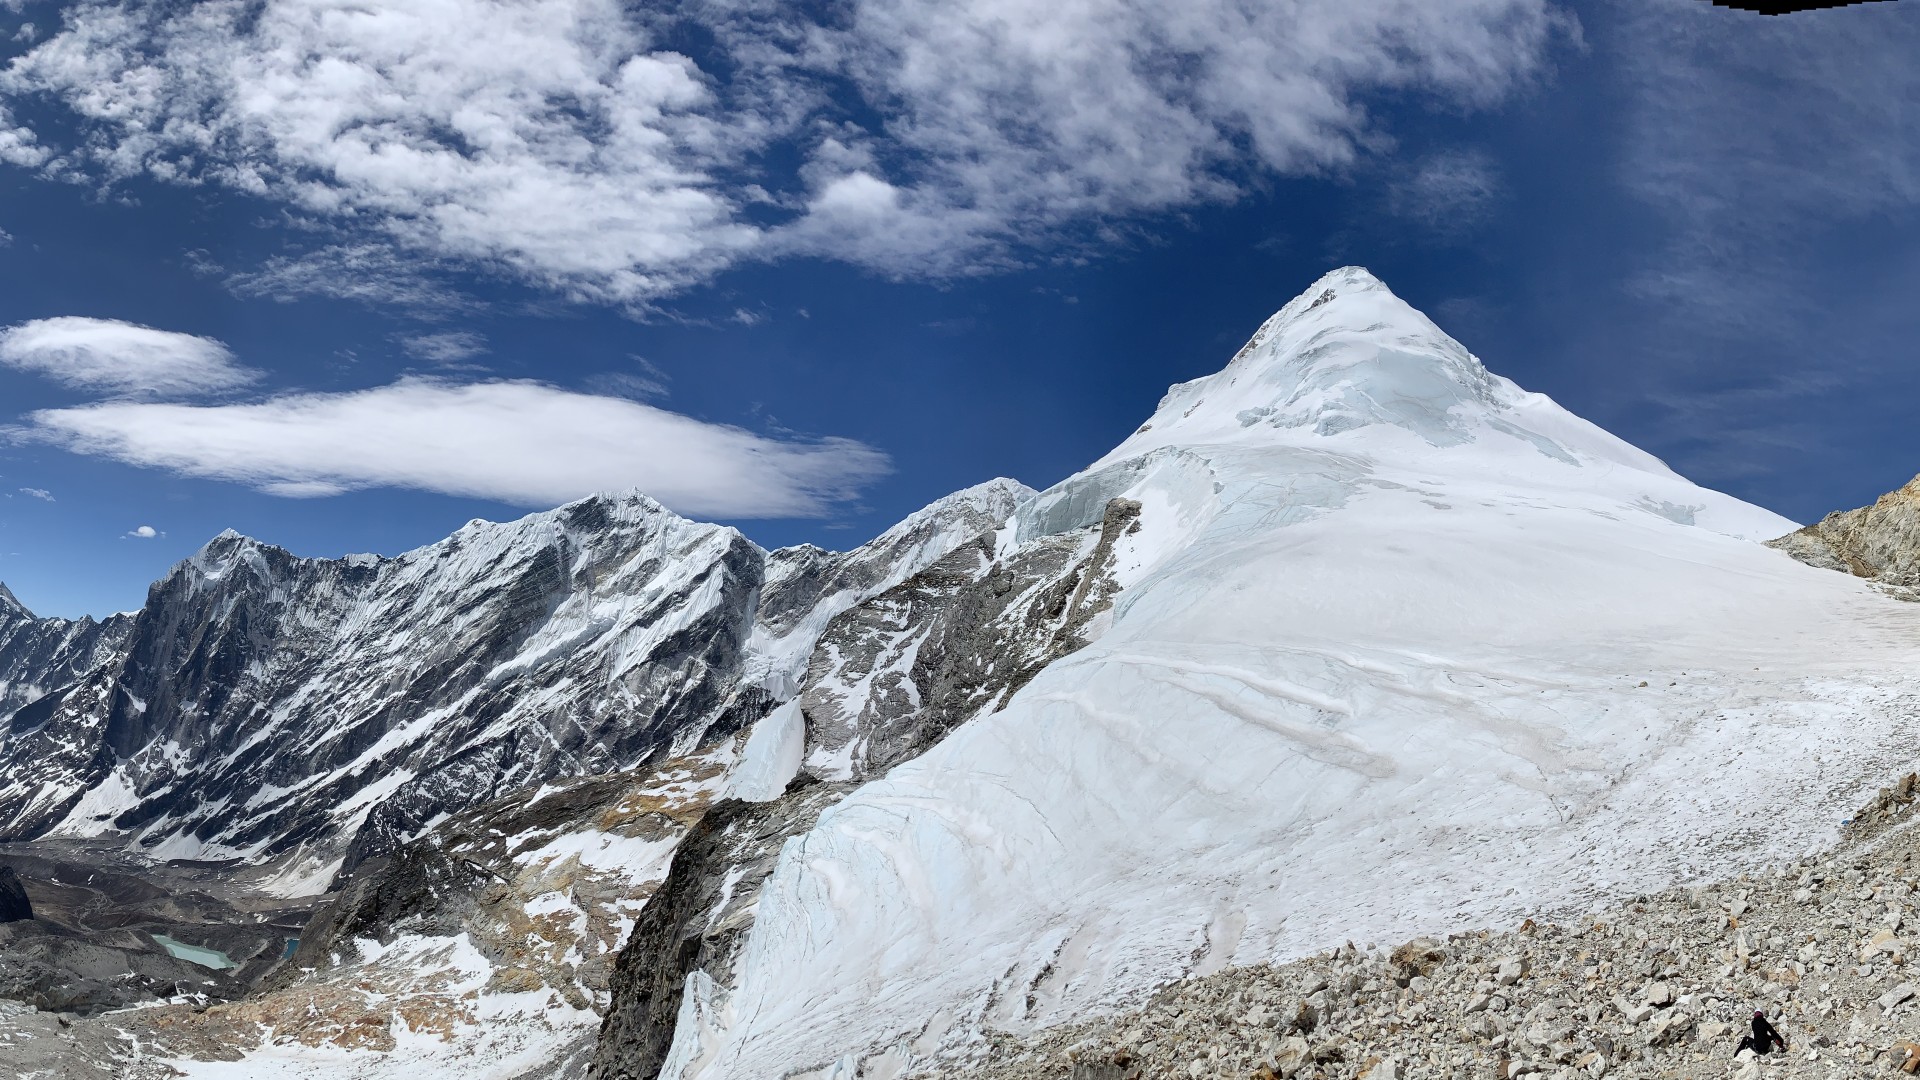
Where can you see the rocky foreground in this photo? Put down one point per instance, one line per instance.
(1661, 987)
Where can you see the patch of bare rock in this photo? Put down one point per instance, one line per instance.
(1662, 986)
(1880, 542)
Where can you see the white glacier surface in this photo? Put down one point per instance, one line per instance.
(1402, 648)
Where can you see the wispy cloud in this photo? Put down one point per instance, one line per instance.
(121, 357)
(1447, 193)
(141, 532)
(1752, 137)
(517, 442)
(565, 144)
(645, 383)
(364, 272)
(450, 347)
(1781, 161)
(38, 493)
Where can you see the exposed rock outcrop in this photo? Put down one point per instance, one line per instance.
(696, 923)
(14, 905)
(889, 679)
(1879, 542)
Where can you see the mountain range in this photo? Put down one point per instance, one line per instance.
(1352, 640)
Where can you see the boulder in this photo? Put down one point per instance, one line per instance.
(1893, 997)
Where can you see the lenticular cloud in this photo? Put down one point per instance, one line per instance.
(518, 442)
(121, 357)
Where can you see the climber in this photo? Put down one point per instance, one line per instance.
(1764, 1037)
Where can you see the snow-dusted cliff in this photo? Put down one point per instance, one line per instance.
(262, 704)
(39, 657)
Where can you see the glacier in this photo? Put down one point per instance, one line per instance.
(1398, 648)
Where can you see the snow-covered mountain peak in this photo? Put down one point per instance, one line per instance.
(221, 556)
(1344, 355)
(11, 609)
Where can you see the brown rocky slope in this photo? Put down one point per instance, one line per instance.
(1879, 542)
(1661, 986)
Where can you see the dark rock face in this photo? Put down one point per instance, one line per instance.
(899, 672)
(579, 641)
(14, 905)
(262, 703)
(889, 680)
(50, 676)
(39, 657)
(697, 921)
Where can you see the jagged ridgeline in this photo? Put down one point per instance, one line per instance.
(261, 704)
(1351, 639)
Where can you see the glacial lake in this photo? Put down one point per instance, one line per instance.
(194, 954)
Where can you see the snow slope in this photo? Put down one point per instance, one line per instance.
(1401, 648)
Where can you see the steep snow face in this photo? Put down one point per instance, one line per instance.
(1398, 648)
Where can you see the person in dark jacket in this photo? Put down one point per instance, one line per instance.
(1764, 1039)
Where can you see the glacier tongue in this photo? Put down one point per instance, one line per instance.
(1400, 647)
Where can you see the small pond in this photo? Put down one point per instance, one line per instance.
(194, 954)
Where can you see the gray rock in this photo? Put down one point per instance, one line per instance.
(14, 904)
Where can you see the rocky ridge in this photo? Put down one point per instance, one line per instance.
(585, 640)
(40, 659)
(890, 679)
(1879, 542)
(1658, 987)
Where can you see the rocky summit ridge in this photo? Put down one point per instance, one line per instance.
(261, 705)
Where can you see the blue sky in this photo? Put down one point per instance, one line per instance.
(343, 277)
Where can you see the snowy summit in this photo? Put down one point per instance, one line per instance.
(1399, 648)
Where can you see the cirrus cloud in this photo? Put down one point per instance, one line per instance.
(519, 442)
(121, 357)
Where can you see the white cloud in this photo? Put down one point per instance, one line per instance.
(39, 493)
(518, 442)
(121, 357)
(143, 532)
(1010, 117)
(450, 347)
(563, 142)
